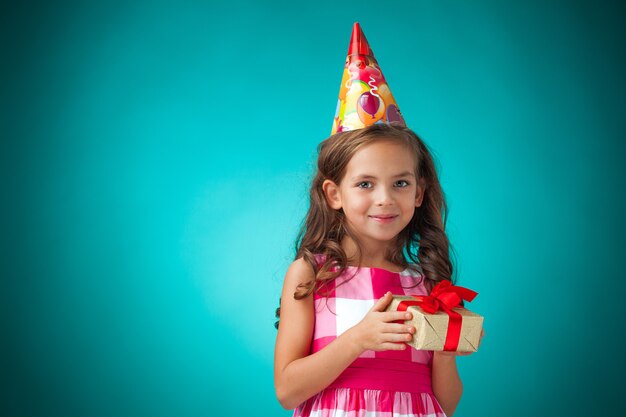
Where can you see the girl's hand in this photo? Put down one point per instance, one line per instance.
(444, 353)
(377, 331)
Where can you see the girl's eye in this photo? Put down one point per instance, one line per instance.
(364, 184)
(401, 183)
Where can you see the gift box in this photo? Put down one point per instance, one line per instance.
(440, 323)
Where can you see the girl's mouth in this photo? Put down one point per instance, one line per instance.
(383, 218)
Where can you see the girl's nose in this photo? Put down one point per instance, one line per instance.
(383, 197)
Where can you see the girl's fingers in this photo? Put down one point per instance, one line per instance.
(390, 316)
(382, 304)
(398, 328)
(393, 346)
(398, 337)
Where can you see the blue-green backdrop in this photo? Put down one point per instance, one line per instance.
(155, 159)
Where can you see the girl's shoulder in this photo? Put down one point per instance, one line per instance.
(300, 265)
(299, 272)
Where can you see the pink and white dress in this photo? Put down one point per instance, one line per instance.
(377, 384)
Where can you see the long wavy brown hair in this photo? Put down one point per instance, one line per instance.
(423, 241)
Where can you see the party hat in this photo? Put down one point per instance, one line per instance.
(364, 96)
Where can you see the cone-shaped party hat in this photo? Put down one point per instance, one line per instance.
(364, 96)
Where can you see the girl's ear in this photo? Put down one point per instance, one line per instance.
(332, 194)
(421, 188)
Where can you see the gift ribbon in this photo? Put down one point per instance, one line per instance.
(443, 297)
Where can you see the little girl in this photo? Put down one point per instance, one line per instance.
(375, 227)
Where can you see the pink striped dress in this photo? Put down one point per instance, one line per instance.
(376, 384)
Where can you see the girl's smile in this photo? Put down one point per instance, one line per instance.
(383, 218)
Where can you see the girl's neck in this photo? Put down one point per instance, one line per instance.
(372, 256)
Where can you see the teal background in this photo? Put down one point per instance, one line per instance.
(155, 160)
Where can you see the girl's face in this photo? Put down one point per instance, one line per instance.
(379, 191)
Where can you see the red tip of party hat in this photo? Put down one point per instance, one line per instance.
(358, 42)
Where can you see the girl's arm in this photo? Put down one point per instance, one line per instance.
(447, 385)
(298, 375)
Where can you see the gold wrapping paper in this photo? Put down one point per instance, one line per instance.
(431, 329)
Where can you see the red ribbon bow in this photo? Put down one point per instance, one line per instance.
(444, 297)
